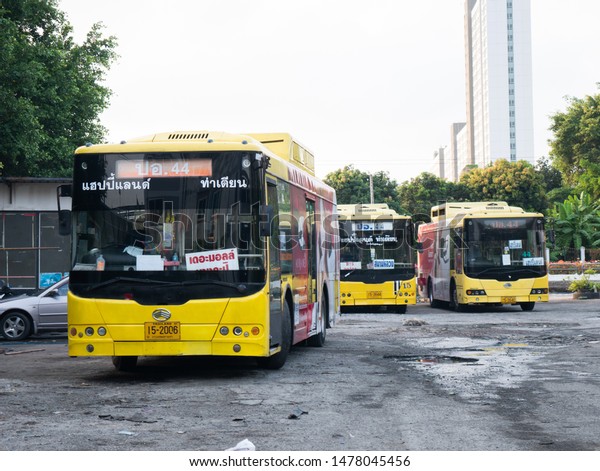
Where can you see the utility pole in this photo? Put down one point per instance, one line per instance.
(371, 188)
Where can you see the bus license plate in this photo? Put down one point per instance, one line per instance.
(162, 331)
(374, 295)
(508, 299)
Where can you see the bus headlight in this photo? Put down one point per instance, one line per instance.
(224, 330)
(237, 331)
(539, 291)
(475, 292)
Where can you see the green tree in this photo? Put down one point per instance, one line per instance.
(516, 183)
(575, 149)
(352, 186)
(551, 176)
(556, 191)
(50, 88)
(576, 222)
(426, 190)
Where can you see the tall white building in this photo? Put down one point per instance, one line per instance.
(499, 82)
(457, 151)
(438, 167)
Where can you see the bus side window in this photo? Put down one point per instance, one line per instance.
(285, 227)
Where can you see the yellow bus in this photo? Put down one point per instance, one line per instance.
(377, 261)
(483, 253)
(199, 243)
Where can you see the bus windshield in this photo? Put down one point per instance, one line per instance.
(503, 245)
(175, 217)
(375, 251)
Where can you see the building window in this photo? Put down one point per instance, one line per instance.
(32, 250)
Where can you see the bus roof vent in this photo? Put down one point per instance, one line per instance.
(187, 136)
(495, 206)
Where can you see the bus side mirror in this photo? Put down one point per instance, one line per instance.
(64, 222)
(265, 217)
(64, 215)
(419, 247)
(551, 237)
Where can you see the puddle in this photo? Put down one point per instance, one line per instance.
(431, 359)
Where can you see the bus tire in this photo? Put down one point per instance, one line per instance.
(432, 301)
(274, 362)
(126, 364)
(400, 309)
(528, 306)
(319, 339)
(454, 304)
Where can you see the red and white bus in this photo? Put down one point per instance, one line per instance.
(483, 253)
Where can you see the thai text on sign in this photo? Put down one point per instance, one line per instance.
(213, 260)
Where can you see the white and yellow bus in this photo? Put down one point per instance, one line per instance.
(377, 267)
(483, 253)
(200, 243)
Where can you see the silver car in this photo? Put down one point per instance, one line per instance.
(28, 314)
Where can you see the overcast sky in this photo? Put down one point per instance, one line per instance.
(376, 84)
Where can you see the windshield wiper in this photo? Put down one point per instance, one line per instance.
(528, 270)
(240, 287)
(491, 269)
(507, 270)
(129, 280)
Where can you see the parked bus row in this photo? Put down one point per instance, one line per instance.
(201, 243)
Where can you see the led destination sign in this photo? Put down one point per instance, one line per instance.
(163, 168)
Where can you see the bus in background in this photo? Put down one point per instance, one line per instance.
(178, 241)
(377, 261)
(483, 253)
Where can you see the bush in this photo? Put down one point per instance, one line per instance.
(584, 283)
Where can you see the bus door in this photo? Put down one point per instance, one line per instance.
(310, 248)
(274, 267)
(442, 266)
(312, 265)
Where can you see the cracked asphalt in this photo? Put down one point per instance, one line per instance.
(432, 379)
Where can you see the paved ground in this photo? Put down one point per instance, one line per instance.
(432, 379)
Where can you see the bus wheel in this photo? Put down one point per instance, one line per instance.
(527, 306)
(432, 301)
(319, 339)
(454, 303)
(126, 364)
(401, 309)
(274, 362)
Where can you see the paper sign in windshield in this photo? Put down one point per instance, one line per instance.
(213, 260)
(149, 263)
(533, 262)
(350, 266)
(383, 264)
